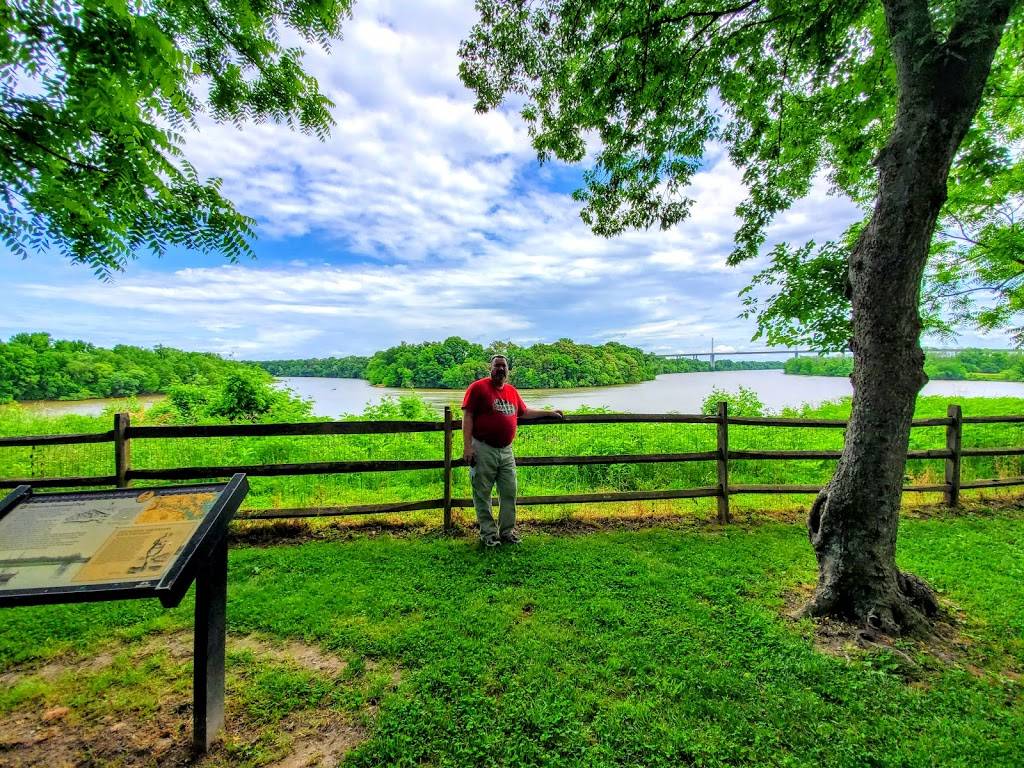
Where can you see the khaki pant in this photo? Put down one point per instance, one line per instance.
(494, 465)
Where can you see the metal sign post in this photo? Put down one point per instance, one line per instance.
(208, 654)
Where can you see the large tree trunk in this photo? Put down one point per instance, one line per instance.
(853, 522)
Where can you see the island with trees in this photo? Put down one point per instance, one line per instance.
(455, 363)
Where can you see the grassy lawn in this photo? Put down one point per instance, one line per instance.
(654, 647)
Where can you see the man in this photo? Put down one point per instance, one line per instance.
(490, 411)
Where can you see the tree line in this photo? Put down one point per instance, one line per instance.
(968, 364)
(689, 366)
(34, 366)
(350, 367)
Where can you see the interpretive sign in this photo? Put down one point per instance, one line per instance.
(129, 543)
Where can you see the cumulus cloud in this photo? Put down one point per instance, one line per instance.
(416, 219)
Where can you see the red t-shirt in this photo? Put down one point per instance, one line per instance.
(495, 411)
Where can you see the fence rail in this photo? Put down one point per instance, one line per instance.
(124, 433)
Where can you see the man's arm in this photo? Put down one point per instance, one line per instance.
(533, 413)
(467, 436)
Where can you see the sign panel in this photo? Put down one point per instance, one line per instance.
(95, 538)
(108, 545)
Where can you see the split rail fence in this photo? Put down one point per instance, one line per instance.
(124, 433)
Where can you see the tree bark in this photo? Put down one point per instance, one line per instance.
(853, 522)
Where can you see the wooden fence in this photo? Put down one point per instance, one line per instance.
(124, 433)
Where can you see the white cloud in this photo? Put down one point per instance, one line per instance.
(417, 219)
(674, 260)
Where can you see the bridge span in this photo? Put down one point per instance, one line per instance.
(713, 355)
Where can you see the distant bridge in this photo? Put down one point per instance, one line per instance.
(712, 355)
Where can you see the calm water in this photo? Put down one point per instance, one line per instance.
(86, 407)
(680, 392)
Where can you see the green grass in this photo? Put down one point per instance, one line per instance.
(646, 648)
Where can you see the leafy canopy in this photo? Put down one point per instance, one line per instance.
(94, 97)
(791, 89)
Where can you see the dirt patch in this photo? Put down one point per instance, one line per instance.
(291, 652)
(53, 669)
(310, 738)
(268, 534)
(987, 504)
(322, 744)
(177, 645)
(28, 739)
(51, 733)
(947, 646)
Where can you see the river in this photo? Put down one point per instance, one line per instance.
(92, 407)
(679, 392)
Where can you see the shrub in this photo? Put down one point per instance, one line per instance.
(744, 402)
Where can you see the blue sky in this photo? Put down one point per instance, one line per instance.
(418, 219)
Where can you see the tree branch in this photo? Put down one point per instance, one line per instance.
(974, 22)
(28, 139)
(711, 15)
(997, 288)
(968, 50)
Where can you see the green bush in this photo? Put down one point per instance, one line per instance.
(743, 402)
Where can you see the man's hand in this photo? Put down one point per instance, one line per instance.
(469, 455)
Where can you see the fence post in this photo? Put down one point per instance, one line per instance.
(447, 468)
(723, 462)
(122, 448)
(954, 438)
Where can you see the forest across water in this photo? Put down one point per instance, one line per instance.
(34, 366)
(964, 365)
(455, 363)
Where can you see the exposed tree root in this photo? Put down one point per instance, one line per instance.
(863, 586)
(909, 609)
(921, 596)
